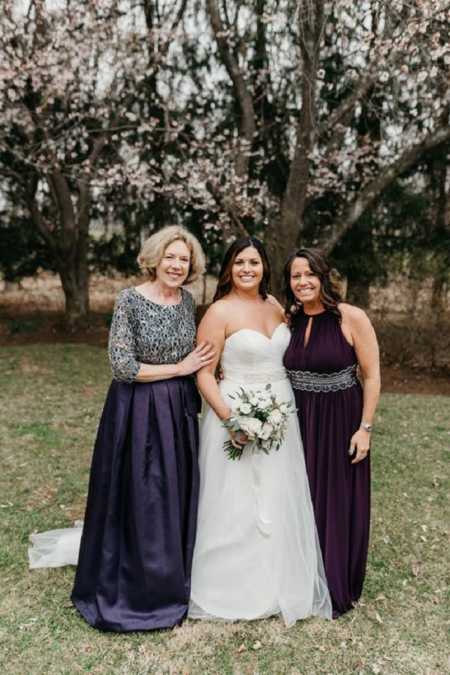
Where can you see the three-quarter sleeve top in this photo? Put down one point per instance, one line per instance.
(143, 331)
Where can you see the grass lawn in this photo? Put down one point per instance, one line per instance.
(51, 397)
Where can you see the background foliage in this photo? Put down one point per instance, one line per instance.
(302, 121)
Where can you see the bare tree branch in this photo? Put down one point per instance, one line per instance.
(244, 98)
(340, 114)
(373, 190)
(227, 206)
(153, 18)
(84, 186)
(41, 224)
(63, 199)
(179, 15)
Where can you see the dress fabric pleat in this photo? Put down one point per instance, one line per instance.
(136, 548)
(340, 491)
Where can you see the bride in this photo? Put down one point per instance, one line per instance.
(257, 552)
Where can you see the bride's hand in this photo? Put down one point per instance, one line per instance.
(238, 439)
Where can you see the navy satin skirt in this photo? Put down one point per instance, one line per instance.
(134, 568)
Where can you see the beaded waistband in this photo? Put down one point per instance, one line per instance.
(304, 380)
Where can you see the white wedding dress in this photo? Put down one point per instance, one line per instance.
(257, 552)
(55, 548)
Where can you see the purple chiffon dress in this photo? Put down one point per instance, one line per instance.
(134, 567)
(329, 401)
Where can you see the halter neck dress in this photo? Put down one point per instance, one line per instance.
(329, 402)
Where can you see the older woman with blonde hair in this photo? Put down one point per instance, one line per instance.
(136, 548)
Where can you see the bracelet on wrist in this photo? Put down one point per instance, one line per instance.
(366, 426)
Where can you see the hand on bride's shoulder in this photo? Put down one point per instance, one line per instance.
(273, 301)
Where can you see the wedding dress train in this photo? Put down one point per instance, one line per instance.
(55, 548)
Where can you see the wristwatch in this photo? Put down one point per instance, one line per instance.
(366, 426)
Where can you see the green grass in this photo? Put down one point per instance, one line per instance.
(51, 397)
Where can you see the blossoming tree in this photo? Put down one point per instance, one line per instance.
(289, 118)
(78, 105)
(334, 101)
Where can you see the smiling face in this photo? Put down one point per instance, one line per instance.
(174, 266)
(305, 283)
(247, 270)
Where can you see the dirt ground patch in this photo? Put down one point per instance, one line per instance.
(49, 328)
(407, 381)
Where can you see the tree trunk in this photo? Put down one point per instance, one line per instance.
(283, 236)
(310, 26)
(75, 283)
(442, 225)
(279, 248)
(243, 94)
(74, 273)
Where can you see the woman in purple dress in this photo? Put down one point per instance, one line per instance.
(332, 341)
(136, 549)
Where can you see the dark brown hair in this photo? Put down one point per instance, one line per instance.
(330, 293)
(225, 283)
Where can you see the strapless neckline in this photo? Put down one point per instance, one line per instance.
(250, 356)
(258, 332)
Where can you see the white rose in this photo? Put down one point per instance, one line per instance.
(251, 426)
(275, 417)
(265, 401)
(266, 431)
(245, 408)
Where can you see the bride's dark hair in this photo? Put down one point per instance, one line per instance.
(225, 282)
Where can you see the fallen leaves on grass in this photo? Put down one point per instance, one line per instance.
(416, 568)
(42, 496)
(30, 367)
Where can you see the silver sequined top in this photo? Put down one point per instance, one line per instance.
(143, 331)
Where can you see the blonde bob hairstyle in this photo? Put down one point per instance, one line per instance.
(153, 248)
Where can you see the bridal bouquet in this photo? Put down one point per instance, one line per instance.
(261, 417)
